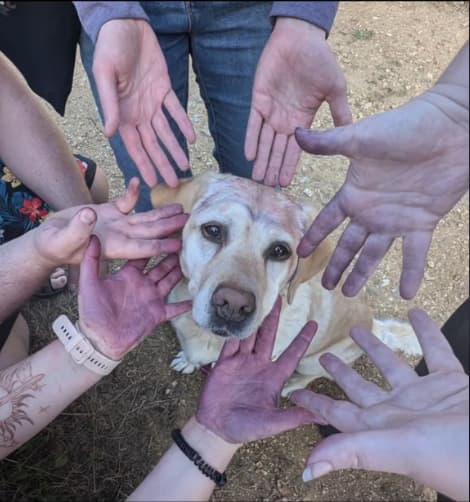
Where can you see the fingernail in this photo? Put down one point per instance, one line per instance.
(316, 470)
(87, 217)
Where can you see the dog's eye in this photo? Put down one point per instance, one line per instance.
(278, 251)
(212, 232)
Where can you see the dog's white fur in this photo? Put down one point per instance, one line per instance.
(254, 217)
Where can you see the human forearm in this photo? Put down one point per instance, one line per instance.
(36, 390)
(22, 271)
(33, 147)
(176, 477)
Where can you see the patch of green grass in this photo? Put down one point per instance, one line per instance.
(362, 34)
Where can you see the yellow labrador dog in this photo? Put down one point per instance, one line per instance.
(238, 256)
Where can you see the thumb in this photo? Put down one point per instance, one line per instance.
(106, 83)
(127, 202)
(286, 419)
(339, 109)
(76, 233)
(337, 141)
(382, 450)
(90, 265)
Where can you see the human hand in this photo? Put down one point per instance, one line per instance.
(116, 313)
(122, 235)
(419, 428)
(409, 167)
(240, 399)
(134, 89)
(297, 72)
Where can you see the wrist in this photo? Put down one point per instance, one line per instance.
(98, 342)
(213, 449)
(299, 27)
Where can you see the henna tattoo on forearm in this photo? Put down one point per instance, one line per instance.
(16, 387)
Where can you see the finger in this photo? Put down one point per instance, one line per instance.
(330, 217)
(247, 344)
(339, 108)
(173, 310)
(437, 351)
(348, 245)
(290, 358)
(167, 283)
(179, 115)
(127, 202)
(230, 348)
(133, 249)
(282, 420)
(383, 450)
(156, 154)
(156, 214)
(375, 248)
(106, 83)
(137, 264)
(275, 160)
(415, 250)
(255, 121)
(266, 335)
(75, 234)
(159, 228)
(358, 390)
(338, 141)
(291, 159)
(166, 136)
(162, 268)
(393, 368)
(90, 265)
(343, 415)
(136, 151)
(264, 149)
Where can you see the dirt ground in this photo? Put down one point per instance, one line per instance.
(103, 445)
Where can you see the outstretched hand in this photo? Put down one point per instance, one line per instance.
(409, 167)
(134, 89)
(63, 237)
(296, 73)
(419, 428)
(240, 399)
(116, 313)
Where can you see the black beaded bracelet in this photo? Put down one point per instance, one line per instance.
(219, 478)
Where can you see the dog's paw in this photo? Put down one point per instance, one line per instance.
(181, 364)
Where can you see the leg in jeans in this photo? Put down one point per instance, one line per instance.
(169, 20)
(227, 39)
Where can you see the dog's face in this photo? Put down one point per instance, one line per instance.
(239, 250)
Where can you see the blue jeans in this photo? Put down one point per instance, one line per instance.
(225, 41)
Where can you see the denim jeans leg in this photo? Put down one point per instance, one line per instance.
(227, 39)
(176, 50)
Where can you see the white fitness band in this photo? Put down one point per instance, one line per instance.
(80, 348)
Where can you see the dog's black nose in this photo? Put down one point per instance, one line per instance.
(234, 305)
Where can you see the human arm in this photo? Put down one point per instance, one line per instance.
(409, 167)
(134, 88)
(419, 428)
(25, 262)
(33, 147)
(296, 73)
(239, 403)
(115, 313)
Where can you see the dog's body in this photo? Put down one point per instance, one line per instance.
(238, 256)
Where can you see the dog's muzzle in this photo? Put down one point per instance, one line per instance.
(231, 309)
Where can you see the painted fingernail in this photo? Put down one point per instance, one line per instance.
(316, 470)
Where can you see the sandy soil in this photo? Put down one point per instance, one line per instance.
(105, 443)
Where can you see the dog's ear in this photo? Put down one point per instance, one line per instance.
(309, 267)
(313, 264)
(186, 193)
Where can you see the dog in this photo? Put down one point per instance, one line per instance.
(239, 255)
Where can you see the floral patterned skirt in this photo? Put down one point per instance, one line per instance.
(20, 208)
